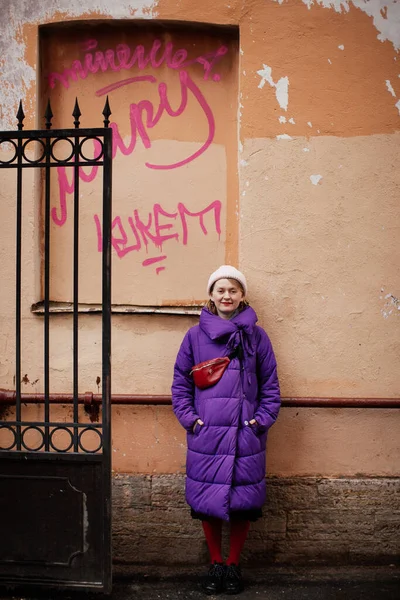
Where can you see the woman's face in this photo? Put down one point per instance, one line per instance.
(226, 295)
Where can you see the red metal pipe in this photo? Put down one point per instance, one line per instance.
(90, 399)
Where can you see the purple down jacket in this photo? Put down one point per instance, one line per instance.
(225, 464)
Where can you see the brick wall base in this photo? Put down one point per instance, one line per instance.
(306, 520)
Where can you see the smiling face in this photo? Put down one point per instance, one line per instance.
(226, 295)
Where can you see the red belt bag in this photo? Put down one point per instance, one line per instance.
(209, 372)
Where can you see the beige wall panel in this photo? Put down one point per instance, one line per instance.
(323, 260)
(143, 353)
(326, 442)
(135, 188)
(329, 442)
(30, 262)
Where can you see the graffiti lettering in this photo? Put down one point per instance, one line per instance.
(123, 58)
(144, 232)
(143, 117)
(139, 125)
(149, 231)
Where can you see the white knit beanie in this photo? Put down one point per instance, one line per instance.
(227, 272)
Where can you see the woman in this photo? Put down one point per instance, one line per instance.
(226, 423)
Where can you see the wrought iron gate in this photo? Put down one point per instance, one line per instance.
(55, 502)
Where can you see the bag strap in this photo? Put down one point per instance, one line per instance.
(237, 353)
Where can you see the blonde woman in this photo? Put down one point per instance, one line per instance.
(226, 423)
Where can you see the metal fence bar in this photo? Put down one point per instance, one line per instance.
(53, 424)
(75, 345)
(106, 342)
(52, 165)
(47, 294)
(18, 281)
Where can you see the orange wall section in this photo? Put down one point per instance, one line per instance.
(313, 188)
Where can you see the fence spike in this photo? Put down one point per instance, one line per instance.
(106, 113)
(20, 116)
(76, 113)
(48, 115)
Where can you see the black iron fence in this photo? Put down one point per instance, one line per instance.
(51, 483)
(46, 142)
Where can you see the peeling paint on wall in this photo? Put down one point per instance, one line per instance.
(385, 15)
(393, 93)
(390, 88)
(281, 87)
(16, 74)
(315, 179)
(392, 306)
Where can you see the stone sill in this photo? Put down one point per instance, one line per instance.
(117, 309)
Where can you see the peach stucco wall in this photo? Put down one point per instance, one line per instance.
(305, 161)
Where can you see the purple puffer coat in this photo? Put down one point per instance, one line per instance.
(225, 464)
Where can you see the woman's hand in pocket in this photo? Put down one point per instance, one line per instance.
(198, 422)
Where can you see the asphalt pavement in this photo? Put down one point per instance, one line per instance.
(269, 583)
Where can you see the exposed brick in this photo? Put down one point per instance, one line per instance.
(158, 550)
(286, 494)
(330, 524)
(301, 551)
(387, 522)
(131, 491)
(259, 552)
(168, 490)
(274, 524)
(378, 552)
(361, 491)
(126, 548)
(304, 520)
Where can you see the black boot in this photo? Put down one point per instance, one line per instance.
(233, 580)
(213, 582)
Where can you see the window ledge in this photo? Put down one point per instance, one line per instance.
(117, 309)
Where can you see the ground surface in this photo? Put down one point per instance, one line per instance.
(270, 583)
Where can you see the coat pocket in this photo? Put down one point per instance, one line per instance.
(196, 429)
(253, 428)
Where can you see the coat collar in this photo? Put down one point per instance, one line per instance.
(216, 328)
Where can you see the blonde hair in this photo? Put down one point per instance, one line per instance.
(213, 309)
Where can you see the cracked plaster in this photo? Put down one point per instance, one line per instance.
(17, 75)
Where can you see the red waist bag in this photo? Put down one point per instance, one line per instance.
(209, 372)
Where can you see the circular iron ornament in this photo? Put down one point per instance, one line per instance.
(36, 160)
(66, 158)
(57, 448)
(5, 141)
(36, 428)
(10, 428)
(82, 447)
(94, 157)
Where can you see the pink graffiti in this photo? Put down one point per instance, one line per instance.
(143, 117)
(151, 261)
(143, 233)
(145, 107)
(66, 188)
(124, 58)
(118, 84)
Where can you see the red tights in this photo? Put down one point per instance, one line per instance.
(238, 534)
